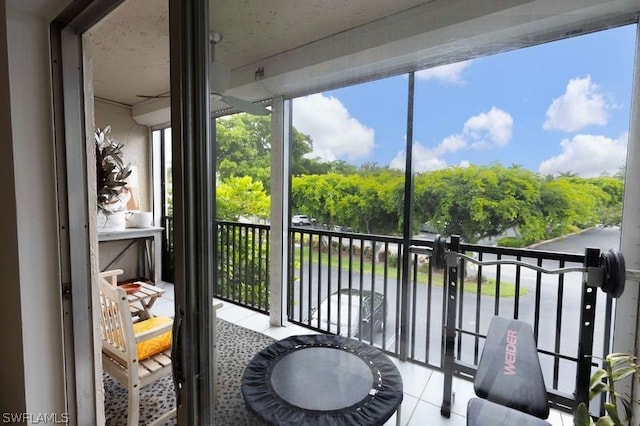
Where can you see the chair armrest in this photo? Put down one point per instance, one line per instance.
(111, 276)
(149, 334)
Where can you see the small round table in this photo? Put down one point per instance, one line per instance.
(322, 379)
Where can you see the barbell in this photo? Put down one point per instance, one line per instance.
(610, 274)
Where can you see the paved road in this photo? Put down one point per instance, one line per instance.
(602, 238)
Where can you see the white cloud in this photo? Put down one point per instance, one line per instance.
(451, 143)
(588, 156)
(335, 133)
(484, 130)
(451, 73)
(424, 160)
(493, 127)
(581, 105)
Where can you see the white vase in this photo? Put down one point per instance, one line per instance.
(139, 219)
(110, 221)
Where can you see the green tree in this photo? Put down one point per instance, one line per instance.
(610, 212)
(361, 202)
(475, 202)
(241, 196)
(243, 148)
(571, 203)
(366, 202)
(315, 195)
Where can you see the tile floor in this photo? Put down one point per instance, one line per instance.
(422, 386)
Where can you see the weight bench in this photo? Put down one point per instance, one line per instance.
(509, 375)
(481, 412)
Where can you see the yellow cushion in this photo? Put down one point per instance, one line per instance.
(156, 344)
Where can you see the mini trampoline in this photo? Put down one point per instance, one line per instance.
(322, 380)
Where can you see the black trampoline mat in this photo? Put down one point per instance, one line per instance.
(321, 378)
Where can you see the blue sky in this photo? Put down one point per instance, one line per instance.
(553, 108)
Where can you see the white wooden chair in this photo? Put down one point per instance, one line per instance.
(120, 354)
(111, 276)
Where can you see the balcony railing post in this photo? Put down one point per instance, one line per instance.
(449, 335)
(585, 341)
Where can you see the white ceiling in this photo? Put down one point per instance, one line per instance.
(312, 45)
(132, 45)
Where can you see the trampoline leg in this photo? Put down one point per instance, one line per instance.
(399, 415)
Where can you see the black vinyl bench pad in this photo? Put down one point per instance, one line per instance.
(484, 413)
(509, 371)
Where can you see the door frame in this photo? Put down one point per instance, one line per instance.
(72, 93)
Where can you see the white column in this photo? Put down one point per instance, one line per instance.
(625, 335)
(280, 132)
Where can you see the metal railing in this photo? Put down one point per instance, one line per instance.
(323, 263)
(242, 261)
(334, 275)
(346, 272)
(243, 264)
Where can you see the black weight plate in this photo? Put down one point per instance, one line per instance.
(439, 250)
(613, 265)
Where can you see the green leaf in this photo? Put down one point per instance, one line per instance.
(612, 410)
(621, 373)
(605, 421)
(582, 417)
(597, 377)
(619, 357)
(597, 389)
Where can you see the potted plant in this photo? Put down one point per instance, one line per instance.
(111, 175)
(617, 366)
